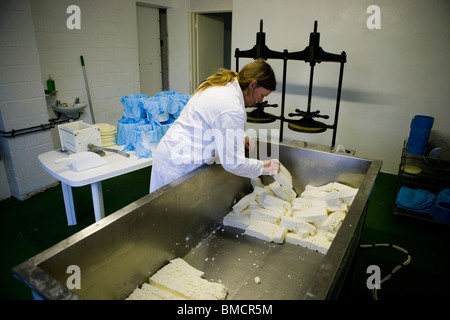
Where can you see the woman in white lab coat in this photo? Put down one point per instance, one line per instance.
(211, 126)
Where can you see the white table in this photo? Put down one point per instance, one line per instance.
(64, 172)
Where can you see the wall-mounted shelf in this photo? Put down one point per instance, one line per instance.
(50, 93)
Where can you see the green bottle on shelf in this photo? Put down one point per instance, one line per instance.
(50, 83)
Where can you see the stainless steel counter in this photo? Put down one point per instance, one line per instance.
(285, 271)
(183, 219)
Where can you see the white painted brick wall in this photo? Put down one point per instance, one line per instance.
(108, 42)
(22, 103)
(35, 42)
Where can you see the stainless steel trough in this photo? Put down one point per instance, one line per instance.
(184, 219)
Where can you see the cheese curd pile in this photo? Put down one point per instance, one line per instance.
(274, 213)
(179, 281)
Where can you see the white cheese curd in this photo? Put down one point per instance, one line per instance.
(274, 212)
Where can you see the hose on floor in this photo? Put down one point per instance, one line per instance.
(403, 264)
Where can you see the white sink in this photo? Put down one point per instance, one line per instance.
(69, 109)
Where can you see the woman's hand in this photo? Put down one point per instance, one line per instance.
(271, 167)
(249, 144)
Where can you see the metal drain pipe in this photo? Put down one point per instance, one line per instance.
(42, 127)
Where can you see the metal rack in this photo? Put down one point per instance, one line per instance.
(312, 54)
(431, 177)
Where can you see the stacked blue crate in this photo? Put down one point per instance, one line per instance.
(146, 119)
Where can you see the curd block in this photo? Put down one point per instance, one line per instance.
(332, 198)
(287, 194)
(298, 225)
(343, 187)
(164, 295)
(310, 187)
(149, 292)
(185, 281)
(334, 221)
(303, 234)
(299, 203)
(260, 190)
(297, 240)
(266, 215)
(331, 235)
(179, 280)
(320, 243)
(265, 231)
(284, 177)
(180, 266)
(318, 203)
(256, 182)
(192, 288)
(278, 190)
(260, 229)
(347, 196)
(313, 214)
(236, 220)
(279, 234)
(339, 207)
(268, 201)
(313, 193)
(244, 202)
(276, 214)
(289, 212)
(252, 206)
(283, 180)
(326, 187)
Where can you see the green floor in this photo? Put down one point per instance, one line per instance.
(31, 226)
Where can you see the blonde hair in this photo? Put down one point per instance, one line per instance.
(258, 70)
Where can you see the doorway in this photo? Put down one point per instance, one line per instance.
(210, 44)
(152, 43)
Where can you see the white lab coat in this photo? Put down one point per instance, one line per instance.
(209, 129)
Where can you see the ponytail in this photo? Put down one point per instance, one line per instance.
(220, 78)
(257, 70)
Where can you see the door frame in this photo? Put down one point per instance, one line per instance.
(163, 35)
(193, 46)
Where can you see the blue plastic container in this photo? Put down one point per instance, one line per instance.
(442, 212)
(143, 138)
(156, 108)
(133, 106)
(419, 134)
(125, 128)
(442, 207)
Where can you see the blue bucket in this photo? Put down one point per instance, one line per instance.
(442, 207)
(419, 134)
(442, 212)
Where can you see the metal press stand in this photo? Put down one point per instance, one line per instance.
(312, 54)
